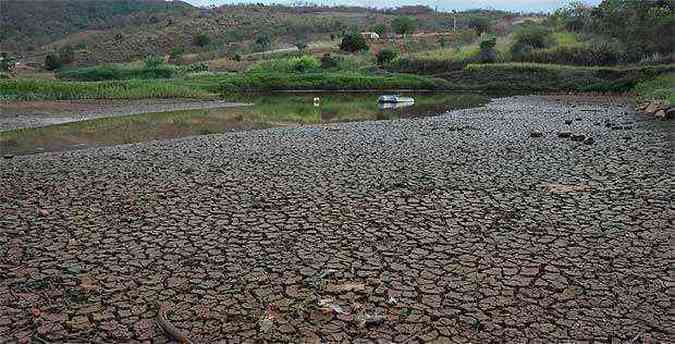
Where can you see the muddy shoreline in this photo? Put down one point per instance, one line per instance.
(32, 114)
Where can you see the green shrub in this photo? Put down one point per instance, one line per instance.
(153, 61)
(386, 55)
(353, 42)
(529, 37)
(404, 25)
(7, 63)
(329, 61)
(53, 62)
(201, 40)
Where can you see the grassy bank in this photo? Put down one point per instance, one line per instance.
(530, 77)
(67, 90)
(661, 89)
(327, 81)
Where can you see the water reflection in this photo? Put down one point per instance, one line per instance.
(269, 111)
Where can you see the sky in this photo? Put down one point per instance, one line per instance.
(446, 5)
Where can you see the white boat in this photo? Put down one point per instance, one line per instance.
(394, 100)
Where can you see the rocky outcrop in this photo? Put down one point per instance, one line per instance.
(657, 109)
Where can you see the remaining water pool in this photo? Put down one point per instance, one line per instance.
(270, 110)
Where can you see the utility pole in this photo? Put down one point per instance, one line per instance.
(454, 20)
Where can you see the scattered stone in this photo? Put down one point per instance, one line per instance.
(8, 156)
(578, 137)
(568, 121)
(670, 113)
(536, 134)
(661, 114)
(651, 108)
(564, 134)
(589, 141)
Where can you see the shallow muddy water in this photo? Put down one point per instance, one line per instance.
(270, 110)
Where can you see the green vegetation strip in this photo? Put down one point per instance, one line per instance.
(328, 81)
(545, 77)
(64, 90)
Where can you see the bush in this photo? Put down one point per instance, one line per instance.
(591, 55)
(53, 62)
(404, 25)
(153, 61)
(201, 40)
(176, 53)
(328, 61)
(300, 64)
(118, 72)
(488, 53)
(386, 55)
(7, 63)
(353, 42)
(529, 37)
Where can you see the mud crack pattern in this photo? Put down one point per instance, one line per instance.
(457, 228)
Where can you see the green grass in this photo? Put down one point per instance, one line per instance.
(660, 89)
(65, 90)
(566, 39)
(117, 72)
(327, 81)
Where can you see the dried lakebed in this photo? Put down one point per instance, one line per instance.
(457, 228)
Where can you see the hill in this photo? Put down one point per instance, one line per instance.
(124, 30)
(28, 25)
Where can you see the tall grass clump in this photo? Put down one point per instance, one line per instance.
(60, 90)
(301, 64)
(661, 88)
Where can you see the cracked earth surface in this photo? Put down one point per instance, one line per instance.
(458, 228)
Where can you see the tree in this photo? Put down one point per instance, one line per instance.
(386, 55)
(353, 42)
(201, 40)
(404, 25)
(379, 29)
(263, 41)
(480, 24)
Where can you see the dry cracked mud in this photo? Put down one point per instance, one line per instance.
(457, 228)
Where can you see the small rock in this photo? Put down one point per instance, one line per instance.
(568, 121)
(670, 113)
(8, 156)
(661, 114)
(589, 141)
(43, 212)
(578, 119)
(652, 108)
(536, 134)
(578, 137)
(564, 134)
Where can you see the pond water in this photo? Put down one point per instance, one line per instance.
(271, 110)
